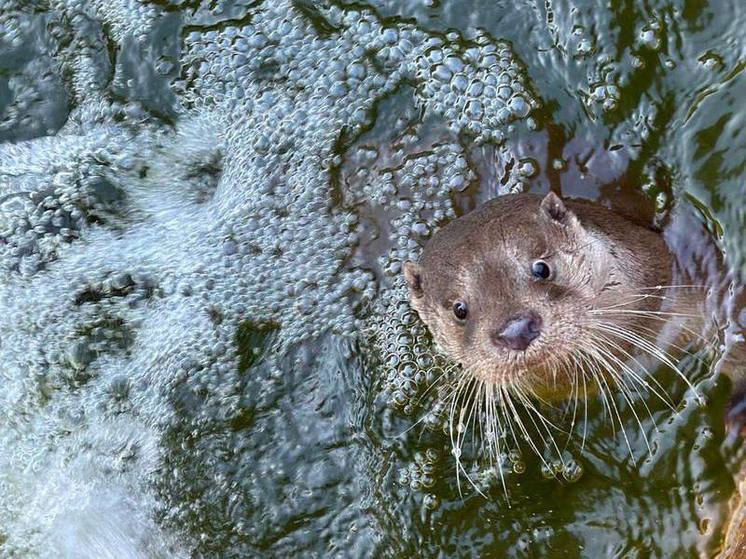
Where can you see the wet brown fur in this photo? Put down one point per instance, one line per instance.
(601, 258)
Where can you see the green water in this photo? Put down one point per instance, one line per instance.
(676, 123)
(213, 404)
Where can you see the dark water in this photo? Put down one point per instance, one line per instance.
(204, 207)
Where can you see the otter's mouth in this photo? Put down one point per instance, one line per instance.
(536, 359)
(517, 365)
(538, 364)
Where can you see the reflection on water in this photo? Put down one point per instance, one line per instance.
(204, 208)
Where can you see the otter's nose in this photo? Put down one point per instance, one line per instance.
(517, 333)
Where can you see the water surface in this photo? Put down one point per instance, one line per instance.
(204, 207)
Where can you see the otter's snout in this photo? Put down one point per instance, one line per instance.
(518, 332)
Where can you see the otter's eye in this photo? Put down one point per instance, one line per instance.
(541, 270)
(460, 310)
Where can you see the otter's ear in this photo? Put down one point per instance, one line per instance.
(553, 208)
(413, 277)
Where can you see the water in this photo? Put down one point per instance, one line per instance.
(204, 207)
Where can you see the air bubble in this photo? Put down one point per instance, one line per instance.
(519, 106)
(572, 471)
(528, 168)
(649, 38)
(431, 502)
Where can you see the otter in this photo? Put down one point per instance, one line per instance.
(526, 290)
(535, 295)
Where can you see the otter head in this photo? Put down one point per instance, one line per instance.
(508, 290)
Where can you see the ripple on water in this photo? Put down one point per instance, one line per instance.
(203, 214)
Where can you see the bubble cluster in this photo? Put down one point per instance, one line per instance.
(123, 19)
(494, 478)
(195, 195)
(584, 43)
(39, 223)
(420, 476)
(604, 94)
(410, 362)
(478, 88)
(34, 100)
(568, 469)
(414, 191)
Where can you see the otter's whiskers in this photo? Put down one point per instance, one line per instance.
(607, 353)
